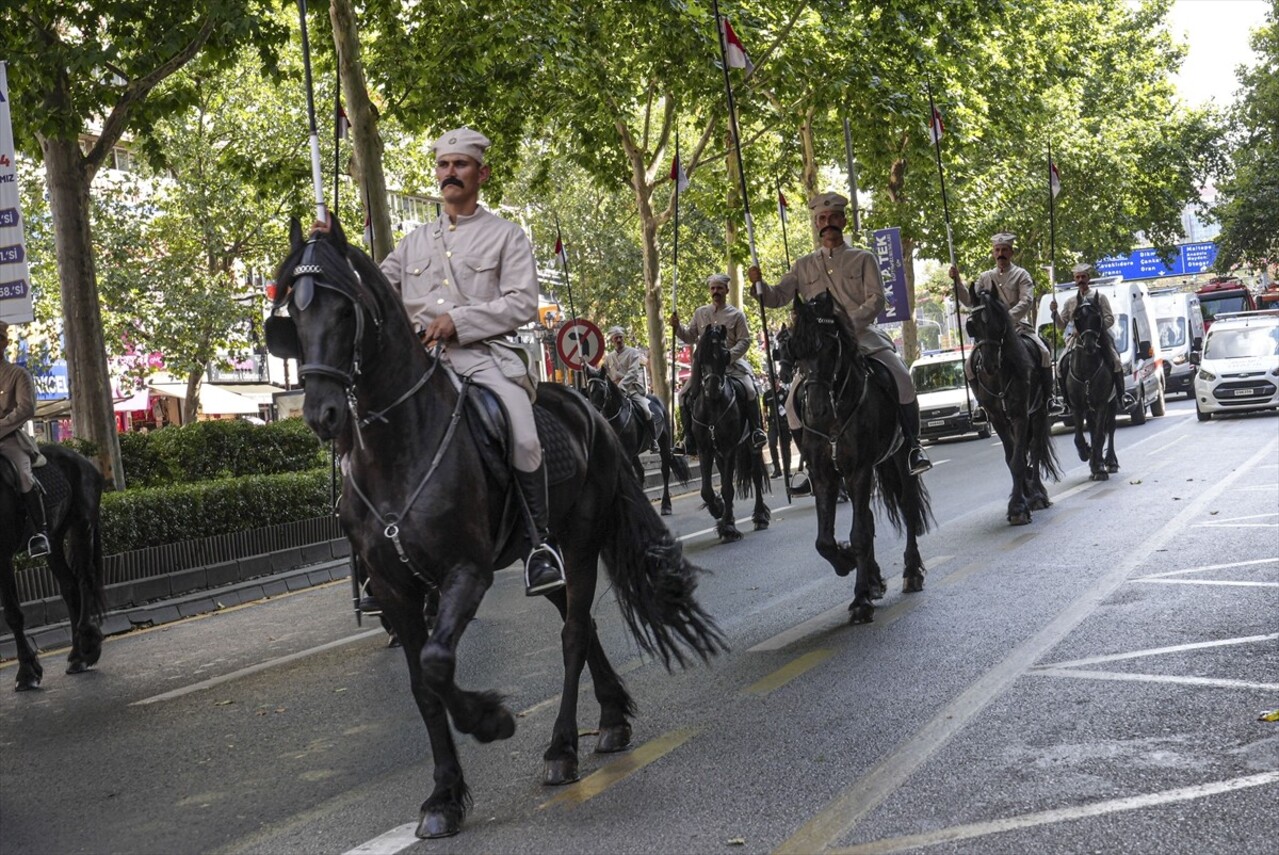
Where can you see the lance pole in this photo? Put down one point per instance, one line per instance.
(781, 215)
(950, 240)
(317, 170)
(852, 178)
(562, 252)
(675, 285)
(750, 225)
(337, 134)
(1052, 256)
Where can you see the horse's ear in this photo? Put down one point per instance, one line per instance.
(336, 233)
(295, 233)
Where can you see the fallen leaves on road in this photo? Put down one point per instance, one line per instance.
(1269, 715)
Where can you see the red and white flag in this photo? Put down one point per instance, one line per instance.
(1054, 179)
(344, 124)
(735, 51)
(782, 207)
(560, 252)
(368, 231)
(678, 175)
(935, 127)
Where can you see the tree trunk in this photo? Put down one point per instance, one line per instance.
(655, 321)
(366, 142)
(191, 403)
(92, 416)
(809, 175)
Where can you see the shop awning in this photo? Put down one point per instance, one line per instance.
(139, 400)
(215, 400)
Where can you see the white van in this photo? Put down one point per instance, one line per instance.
(939, 382)
(1134, 335)
(1180, 324)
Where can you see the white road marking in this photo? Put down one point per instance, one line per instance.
(395, 840)
(1248, 517)
(1049, 817)
(253, 669)
(855, 802)
(1209, 567)
(1236, 525)
(1126, 677)
(775, 514)
(1224, 583)
(1159, 651)
(1166, 447)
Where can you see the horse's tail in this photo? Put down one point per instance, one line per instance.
(655, 583)
(904, 497)
(1042, 444)
(745, 467)
(678, 464)
(87, 485)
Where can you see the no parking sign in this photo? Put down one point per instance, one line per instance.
(579, 342)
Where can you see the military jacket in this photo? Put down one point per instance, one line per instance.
(1068, 310)
(480, 271)
(850, 274)
(17, 404)
(731, 317)
(1015, 288)
(626, 369)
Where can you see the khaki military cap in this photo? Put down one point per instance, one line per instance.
(1003, 239)
(465, 141)
(718, 279)
(827, 202)
(615, 332)
(1081, 268)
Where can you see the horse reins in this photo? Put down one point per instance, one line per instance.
(833, 439)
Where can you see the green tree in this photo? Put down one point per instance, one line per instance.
(1248, 197)
(90, 69)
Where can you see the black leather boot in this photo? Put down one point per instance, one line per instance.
(759, 439)
(1061, 384)
(544, 568)
(1054, 404)
(38, 546)
(919, 462)
(1126, 400)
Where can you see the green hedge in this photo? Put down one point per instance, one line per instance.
(205, 451)
(136, 519)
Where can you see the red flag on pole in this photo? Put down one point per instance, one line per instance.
(736, 51)
(935, 127)
(782, 207)
(560, 252)
(1054, 179)
(678, 175)
(344, 124)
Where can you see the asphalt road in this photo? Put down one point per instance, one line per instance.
(1088, 683)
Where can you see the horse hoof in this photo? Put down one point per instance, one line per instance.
(437, 823)
(878, 589)
(760, 525)
(861, 613)
(912, 583)
(613, 739)
(560, 772)
(77, 667)
(1085, 453)
(1112, 467)
(392, 640)
(730, 535)
(1099, 476)
(1019, 519)
(666, 510)
(498, 724)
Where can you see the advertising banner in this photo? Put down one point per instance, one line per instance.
(892, 269)
(15, 278)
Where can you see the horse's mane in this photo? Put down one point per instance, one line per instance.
(1014, 350)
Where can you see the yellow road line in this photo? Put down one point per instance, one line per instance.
(597, 782)
(788, 672)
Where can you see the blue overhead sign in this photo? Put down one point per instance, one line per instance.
(1145, 263)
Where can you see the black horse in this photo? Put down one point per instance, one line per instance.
(428, 504)
(722, 432)
(1011, 390)
(635, 431)
(1090, 388)
(848, 407)
(73, 498)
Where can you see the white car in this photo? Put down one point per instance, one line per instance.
(939, 381)
(1239, 366)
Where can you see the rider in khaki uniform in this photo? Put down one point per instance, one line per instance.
(1083, 279)
(625, 367)
(17, 406)
(468, 280)
(1017, 290)
(852, 277)
(718, 311)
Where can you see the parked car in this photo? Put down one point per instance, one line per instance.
(1134, 336)
(1239, 366)
(1180, 324)
(939, 380)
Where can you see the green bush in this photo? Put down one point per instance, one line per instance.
(210, 450)
(139, 518)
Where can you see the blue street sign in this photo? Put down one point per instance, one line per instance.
(1145, 263)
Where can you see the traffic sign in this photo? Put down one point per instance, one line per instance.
(579, 341)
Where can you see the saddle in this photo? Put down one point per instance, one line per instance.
(491, 429)
(49, 480)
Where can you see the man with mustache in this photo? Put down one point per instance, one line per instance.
(468, 281)
(718, 311)
(625, 367)
(1018, 293)
(852, 277)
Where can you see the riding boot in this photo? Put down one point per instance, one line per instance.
(759, 439)
(1125, 399)
(544, 568)
(689, 447)
(919, 462)
(800, 485)
(1055, 407)
(367, 604)
(39, 544)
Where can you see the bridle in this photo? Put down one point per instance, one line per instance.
(811, 379)
(612, 395)
(982, 345)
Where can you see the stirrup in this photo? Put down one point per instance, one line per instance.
(1128, 401)
(368, 604)
(919, 462)
(1056, 407)
(759, 439)
(550, 571)
(979, 416)
(801, 484)
(38, 545)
